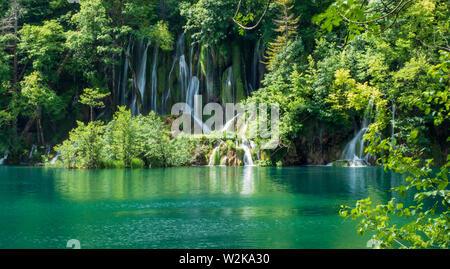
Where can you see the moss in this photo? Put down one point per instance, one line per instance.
(240, 153)
(231, 145)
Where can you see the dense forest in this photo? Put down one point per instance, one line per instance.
(74, 74)
(91, 84)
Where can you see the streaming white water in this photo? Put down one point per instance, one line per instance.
(192, 91)
(33, 150)
(53, 161)
(228, 93)
(5, 156)
(154, 89)
(353, 153)
(248, 161)
(213, 154)
(228, 124)
(142, 68)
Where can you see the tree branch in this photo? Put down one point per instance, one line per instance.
(396, 10)
(257, 23)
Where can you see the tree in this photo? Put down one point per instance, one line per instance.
(83, 147)
(42, 45)
(91, 98)
(286, 27)
(38, 96)
(429, 217)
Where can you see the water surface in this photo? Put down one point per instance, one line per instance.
(196, 207)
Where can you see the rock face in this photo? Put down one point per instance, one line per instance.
(319, 145)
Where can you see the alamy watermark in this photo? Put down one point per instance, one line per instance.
(249, 121)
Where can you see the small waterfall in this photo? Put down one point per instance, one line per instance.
(141, 71)
(184, 76)
(192, 91)
(154, 91)
(228, 91)
(248, 161)
(245, 145)
(353, 152)
(213, 154)
(53, 161)
(33, 150)
(5, 156)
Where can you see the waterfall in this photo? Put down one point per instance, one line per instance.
(245, 145)
(353, 152)
(248, 161)
(141, 68)
(5, 156)
(228, 124)
(154, 88)
(184, 76)
(33, 150)
(53, 161)
(213, 155)
(141, 71)
(228, 92)
(192, 91)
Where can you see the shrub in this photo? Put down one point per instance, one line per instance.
(137, 163)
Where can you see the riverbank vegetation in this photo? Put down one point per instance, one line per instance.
(333, 67)
(91, 84)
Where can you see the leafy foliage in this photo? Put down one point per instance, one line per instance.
(125, 141)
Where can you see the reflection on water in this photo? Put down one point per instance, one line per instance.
(197, 207)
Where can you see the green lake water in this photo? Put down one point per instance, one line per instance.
(196, 207)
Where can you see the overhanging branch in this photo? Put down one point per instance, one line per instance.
(257, 23)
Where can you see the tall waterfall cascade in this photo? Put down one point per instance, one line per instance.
(163, 78)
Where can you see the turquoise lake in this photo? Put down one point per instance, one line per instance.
(195, 207)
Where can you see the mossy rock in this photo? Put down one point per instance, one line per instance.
(240, 153)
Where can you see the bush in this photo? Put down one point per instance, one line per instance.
(126, 141)
(113, 164)
(137, 163)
